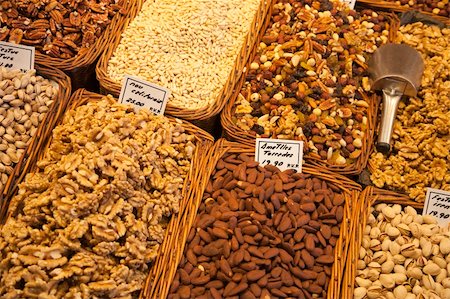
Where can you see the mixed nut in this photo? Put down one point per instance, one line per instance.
(308, 80)
(25, 99)
(261, 233)
(88, 224)
(421, 138)
(188, 46)
(403, 255)
(61, 29)
(437, 7)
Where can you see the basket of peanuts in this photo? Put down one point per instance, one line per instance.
(32, 102)
(107, 197)
(308, 80)
(197, 49)
(395, 251)
(69, 35)
(258, 232)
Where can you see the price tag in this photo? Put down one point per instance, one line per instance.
(284, 154)
(143, 94)
(437, 204)
(14, 56)
(350, 3)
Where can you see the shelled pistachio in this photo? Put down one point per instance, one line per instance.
(421, 138)
(403, 255)
(309, 78)
(25, 99)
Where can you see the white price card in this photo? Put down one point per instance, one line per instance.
(143, 94)
(350, 3)
(14, 56)
(284, 154)
(437, 204)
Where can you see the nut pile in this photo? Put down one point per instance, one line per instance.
(437, 7)
(403, 255)
(261, 233)
(308, 78)
(421, 139)
(188, 46)
(88, 225)
(25, 98)
(61, 29)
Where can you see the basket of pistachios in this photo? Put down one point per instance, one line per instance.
(396, 252)
(196, 49)
(107, 197)
(420, 156)
(32, 102)
(308, 81)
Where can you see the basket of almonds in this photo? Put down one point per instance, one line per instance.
(197, 49)
(308, 80)
(395, 251)
(260, 233)
(69, 35)
(420, 156)
(31, 104)
(108, 195)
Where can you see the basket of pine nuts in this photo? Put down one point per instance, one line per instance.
(395, 251)
(32, 103)
(437, 9)
(308, 80)
(69, 35)
(107, 197)
(198, 49)
(260, 233)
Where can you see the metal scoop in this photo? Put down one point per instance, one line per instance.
(396, 70)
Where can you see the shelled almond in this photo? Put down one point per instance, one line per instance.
(261, 233)
(308, 80)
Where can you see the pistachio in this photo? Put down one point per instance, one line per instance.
(432, 269)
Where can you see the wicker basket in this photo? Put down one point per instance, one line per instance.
(191, 193)
(161, 277)
(207, 117)
(394, 7)
(81, 68)
(43, 132)
(368, 198)
(233, 132)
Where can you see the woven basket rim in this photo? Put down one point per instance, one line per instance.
(108, 85)
(164, 274)
(43, 132)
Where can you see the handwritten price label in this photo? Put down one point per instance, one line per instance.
(15, 57)
(143, 94)
(437, 203)
(284, 154)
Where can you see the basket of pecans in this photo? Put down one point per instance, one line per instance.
(260, 233)
(69, 35)
(420, 144)
(32, 102)
(109, 193)
(396, 252)
(308, 81)
(190, 47)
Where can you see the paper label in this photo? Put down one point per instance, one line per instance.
(143, 94)
(15, 57)
(284, 154)
(350, 3)
(437, 204)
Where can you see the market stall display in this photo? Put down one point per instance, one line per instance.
(89, 220)
(196, 48)
(31, 102)
(69, 35)
(308, 81)
(421, 141)
(397, 252)
(262, 232)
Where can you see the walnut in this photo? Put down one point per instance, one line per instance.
(91, 220)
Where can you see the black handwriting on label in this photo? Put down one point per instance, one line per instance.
(440, 215)
(8, 50)
(6, 65)
(133, 101)
(276, 163)
(146, 95)
(277, 146)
